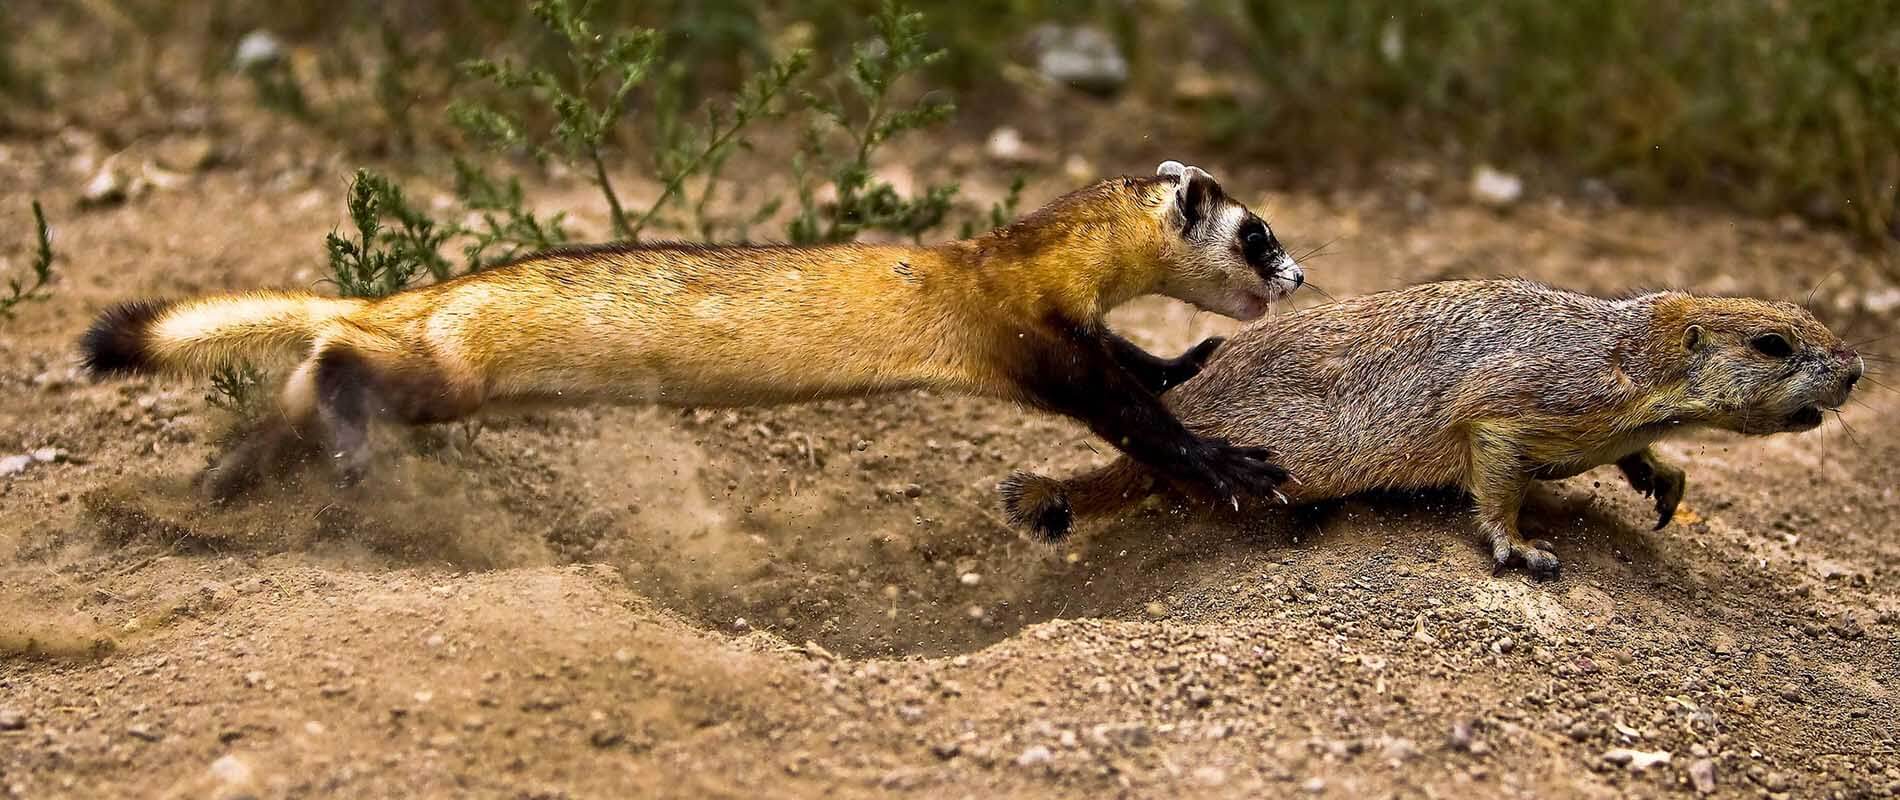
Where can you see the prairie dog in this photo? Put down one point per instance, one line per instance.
(1486, 386)
(1015, 314)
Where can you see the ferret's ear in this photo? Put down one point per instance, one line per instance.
(1195, 193)
(1693, 337)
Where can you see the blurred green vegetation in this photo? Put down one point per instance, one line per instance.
(1772, 106)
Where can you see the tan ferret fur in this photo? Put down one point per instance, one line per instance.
(1015, 314)
(1485, 386)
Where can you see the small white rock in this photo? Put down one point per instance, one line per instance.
(14, 465)
(1636, 760)
(105, 187)
(1033, 756)
(231, 771)
(1495, 188)
(1006, 145)
(1882, 301)
(258, 47)
(971, 579)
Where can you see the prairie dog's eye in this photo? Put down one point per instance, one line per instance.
(1773, 345)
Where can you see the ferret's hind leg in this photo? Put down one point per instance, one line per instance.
(370, 377)
(278, 440)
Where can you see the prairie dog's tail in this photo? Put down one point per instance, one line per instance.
(1047, 506)
(197, 336)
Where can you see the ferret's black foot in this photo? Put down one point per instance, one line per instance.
(1184, 367)
(1234, 472)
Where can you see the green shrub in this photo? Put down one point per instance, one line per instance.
(1775, 106)
(861, 112)
(588, 92)
(20, 290)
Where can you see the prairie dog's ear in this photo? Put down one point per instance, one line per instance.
(1693, 338)
(1195, 193)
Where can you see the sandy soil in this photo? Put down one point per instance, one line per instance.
(822, 600)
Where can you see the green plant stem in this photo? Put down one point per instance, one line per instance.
(613, 200)
(680, 175)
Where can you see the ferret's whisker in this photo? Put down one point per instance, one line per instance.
(1322, 292)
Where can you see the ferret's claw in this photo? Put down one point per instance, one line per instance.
(1235, 501)
(1277, 495)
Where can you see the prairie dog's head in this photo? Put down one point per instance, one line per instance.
(1219, 255)
(1764, 367)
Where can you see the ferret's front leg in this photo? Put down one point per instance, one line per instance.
(1161, 374)
(1650, 474)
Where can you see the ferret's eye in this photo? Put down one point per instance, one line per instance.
(1772, 345)
(1254, 243)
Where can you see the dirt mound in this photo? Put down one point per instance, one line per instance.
(823, 600)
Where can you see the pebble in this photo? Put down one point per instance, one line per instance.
(1084, 57)
(1495, 188)
(971, 579)
(11, 720)
(1636, 760)
(231, 771)
(1503, 646)
(1702, 774)
(187, 154)
(1460, 737)
(1314, 785)
(1006, 145)
(1034, 755)
(107, 186)
(14, 465)
(257, 48)
(141, 731)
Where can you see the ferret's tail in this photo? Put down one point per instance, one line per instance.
(1046, 507)
(198, 336)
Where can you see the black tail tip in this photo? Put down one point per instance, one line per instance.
(119, 342)
(1037, 504)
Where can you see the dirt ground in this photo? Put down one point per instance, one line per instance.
(822, 600)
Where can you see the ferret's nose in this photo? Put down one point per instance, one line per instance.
(1299, 279)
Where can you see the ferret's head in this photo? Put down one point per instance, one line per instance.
(1218, 255)
(1764, 367)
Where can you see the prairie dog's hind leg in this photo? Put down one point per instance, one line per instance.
(1650, 474)
(1498, 483)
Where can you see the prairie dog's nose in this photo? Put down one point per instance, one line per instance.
(1854, 373)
